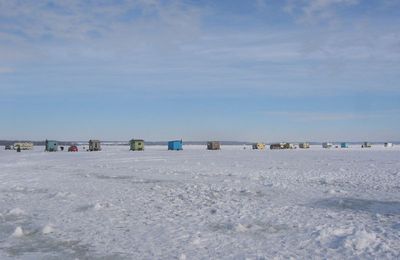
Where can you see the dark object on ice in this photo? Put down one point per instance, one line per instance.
(18, 149)
(304, 145)
(213, 145)
(62, 148)
(281, 146)
(276, 146)
(175, 145)
(94, 145)
(51, 146)
(366, 145)
(7, 147)
(136, 145)
(73, 148)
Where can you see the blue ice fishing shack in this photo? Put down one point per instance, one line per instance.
(175, 145)
(344, 145)
(51, 146)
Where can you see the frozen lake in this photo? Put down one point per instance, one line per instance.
(199, 204)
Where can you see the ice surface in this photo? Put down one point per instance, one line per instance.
(199, 204)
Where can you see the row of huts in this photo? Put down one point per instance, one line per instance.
(278, 146)
(177, 145)
(135, 145)
(307, 145)
(20, 146)
(52, 146)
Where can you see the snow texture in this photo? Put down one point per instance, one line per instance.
(197, 204)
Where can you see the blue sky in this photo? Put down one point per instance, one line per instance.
(263, 70)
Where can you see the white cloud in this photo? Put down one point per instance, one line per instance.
(80, 20)
(161, 45)
(316, 10)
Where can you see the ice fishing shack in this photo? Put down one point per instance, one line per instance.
(136, 145)
(94, 145)
(23, 146)
(51, 146)
(327, 145)
(304, 145)
(366, 145)
(213, 145)
(258, 146)
(277, 146)
(344, 145)
(175, 145)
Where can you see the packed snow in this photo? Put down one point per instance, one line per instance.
(196, 204)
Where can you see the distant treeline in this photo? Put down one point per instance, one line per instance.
(11, 142)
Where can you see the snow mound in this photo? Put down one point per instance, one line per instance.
(63, 195)
(356, 240)
(101, 205)
(241, 228)
(361, 241)
(16, 212)
(18, 232)
(47, 229)
(332, 237)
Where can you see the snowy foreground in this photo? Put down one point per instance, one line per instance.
(198, 204)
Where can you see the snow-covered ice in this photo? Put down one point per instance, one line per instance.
(199, 204)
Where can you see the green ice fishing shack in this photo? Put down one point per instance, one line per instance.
(51, 146)
(136, 144)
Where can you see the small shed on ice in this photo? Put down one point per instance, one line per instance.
(258, 146)
(73, 148)
(94, 145)
(277, 146)
(327, 145)
(304, 145)
(366, 145)
(51, 146)
(288, 146)
(175, 145)
(388, 145)
(344, 145)
(23, 146)
(213, 145)
(136, 144)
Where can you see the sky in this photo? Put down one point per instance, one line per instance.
(251, 70)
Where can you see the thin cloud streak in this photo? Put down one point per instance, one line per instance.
(315, 11)
(329, 116)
